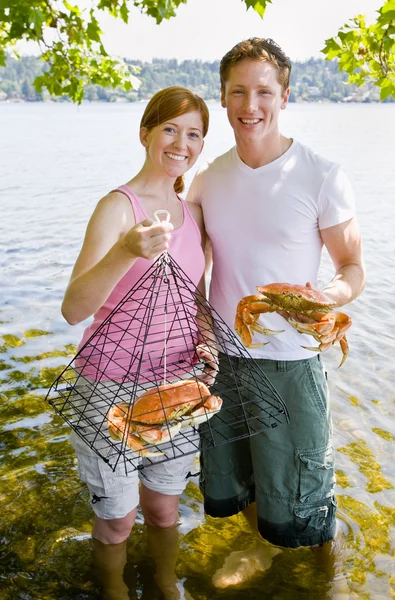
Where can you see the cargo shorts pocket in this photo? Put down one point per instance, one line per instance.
(316, 473)
(315, 516)
(100, 477)
(317, 386)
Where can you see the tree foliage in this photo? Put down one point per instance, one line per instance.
(69, 35)
(367, 51)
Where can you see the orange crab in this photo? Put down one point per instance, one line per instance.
(287, 299)
(160, 413)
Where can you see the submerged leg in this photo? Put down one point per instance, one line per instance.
(244, 565)
(161, 515)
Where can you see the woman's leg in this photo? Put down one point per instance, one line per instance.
(161, 515)
(113, 531)
(158, 509)
(109, 562)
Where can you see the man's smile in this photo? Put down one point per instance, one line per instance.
(250, 121)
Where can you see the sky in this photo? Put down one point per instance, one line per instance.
(207, 29)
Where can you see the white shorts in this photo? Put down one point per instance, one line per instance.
(114, 494)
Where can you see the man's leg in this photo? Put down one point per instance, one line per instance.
(295, 483)
(243, 565)
(226, 476)
(293, 473)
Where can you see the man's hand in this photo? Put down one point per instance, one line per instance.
(209, 356)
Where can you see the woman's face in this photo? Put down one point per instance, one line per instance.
(174, 146)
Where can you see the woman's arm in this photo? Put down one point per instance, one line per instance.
(111, 246)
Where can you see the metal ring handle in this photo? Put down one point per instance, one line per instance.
(164, 213)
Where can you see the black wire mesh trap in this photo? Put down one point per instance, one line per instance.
(137, 390)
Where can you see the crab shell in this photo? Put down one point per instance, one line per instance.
(158, 415)
(168, 402)
(160, 434)
(296, 298)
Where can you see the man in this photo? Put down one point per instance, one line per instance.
(270, 204)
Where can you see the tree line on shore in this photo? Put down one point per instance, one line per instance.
(312, 80)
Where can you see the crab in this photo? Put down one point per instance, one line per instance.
(160, 413)
(325, 325)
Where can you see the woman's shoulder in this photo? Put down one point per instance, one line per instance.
(115, 209)
(116, 200)
(115, 197)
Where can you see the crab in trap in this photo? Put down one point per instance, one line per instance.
(160, 413)
(323, 323)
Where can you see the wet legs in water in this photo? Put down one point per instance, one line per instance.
(161, 515)
(162, 538)
(109, 561)
(243, 566)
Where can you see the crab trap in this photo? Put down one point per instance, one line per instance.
(163, 376)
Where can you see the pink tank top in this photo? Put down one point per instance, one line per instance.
(113, 353)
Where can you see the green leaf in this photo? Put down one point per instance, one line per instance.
(37, 18)
(258, 5)
(124, 12)
(387, 16)
(332, 49)
(93, 31)
(388, 6)
(72, 9)
(387, 89)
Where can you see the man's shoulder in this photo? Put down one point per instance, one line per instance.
(314, 160)
(218, 164)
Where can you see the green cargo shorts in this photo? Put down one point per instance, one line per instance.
(288, 470)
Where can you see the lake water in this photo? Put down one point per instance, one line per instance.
(56, 161)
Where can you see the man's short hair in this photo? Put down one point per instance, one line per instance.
(259, 49)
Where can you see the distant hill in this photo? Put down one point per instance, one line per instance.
(313, 80)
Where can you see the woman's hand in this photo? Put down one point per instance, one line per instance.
(147, 239)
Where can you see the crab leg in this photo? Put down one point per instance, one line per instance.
(317, 328)
(344, 346)
(247, 313)
(210, 407)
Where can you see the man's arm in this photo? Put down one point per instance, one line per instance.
(343, 243)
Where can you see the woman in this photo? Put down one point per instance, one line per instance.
(121, 241)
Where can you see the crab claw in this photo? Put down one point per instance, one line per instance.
(247, 313)
(152, 434)
(134, 443)
(208, 409)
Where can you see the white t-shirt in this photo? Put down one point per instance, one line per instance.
(264, 227)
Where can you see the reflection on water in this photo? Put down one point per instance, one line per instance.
(46, 551)
(45, 520)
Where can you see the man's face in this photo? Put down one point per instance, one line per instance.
(253, 98)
